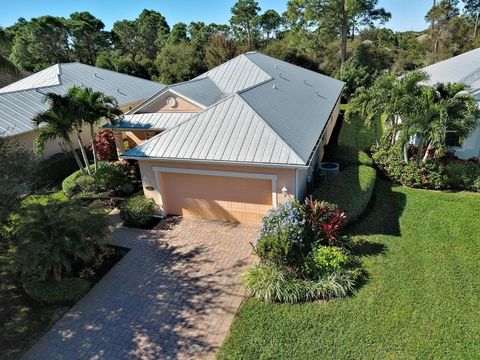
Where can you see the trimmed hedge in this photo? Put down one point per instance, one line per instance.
(137, 211)
(70, 186)
(349, 156)
(55, 292)
(351, 190)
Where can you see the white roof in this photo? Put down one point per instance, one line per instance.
(22, 100)
(271, 112)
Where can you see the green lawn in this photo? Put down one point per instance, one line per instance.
(421, 250)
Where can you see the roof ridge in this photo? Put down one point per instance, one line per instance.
(270, 127)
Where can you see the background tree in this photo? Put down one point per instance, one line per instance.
(472, 10)
(125, 37)
(270, 22)
(336, 17)
(245, 19)
(178, 34)
(86, 36)
(6, 66)
(152, 30)
(178, 62)
(218, 50)
(40, 43)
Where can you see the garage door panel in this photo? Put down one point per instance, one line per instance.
(216, 197)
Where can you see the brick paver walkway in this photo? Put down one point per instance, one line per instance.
(173, 296)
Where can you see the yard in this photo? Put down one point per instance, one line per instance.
(421, 250)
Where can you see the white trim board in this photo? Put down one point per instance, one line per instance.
(157, 170)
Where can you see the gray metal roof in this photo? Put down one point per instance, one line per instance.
(236, 74)
(276, 115)
(22, 100)
(152, 121)
(228, 131)
(461, 68)
(203, 91)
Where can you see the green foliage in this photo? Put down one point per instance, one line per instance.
(324, 260)
(269, 283)
(69, 184)
(56, 236)
(350, 190)
(463, 175)
(348, 156)
(179, 62)
(245, 19)
(219, 50)
(429, 175)
(57, 292)
(137, 211)
(355, 135)
(15, 176)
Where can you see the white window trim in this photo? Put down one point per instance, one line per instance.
(157, 170)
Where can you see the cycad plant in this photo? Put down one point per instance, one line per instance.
(94, 106)
(54, 237)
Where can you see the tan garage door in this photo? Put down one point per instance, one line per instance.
(216, 197)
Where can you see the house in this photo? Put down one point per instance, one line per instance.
(235, 141)
(23, 99)
(464, 68)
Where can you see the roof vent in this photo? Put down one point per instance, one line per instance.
(275, 66)
(306, 83)
(118, 90)
(99, 77)
(323, 97)
(274, 86)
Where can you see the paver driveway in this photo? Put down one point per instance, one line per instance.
(174, 295)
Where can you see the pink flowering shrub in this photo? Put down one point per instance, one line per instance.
(105, 146)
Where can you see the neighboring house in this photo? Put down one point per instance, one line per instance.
(464, 68)
(235, 141)
(23, 99)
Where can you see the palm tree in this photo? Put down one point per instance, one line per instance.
(94, 106)
(58, 121)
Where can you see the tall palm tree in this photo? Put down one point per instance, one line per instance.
(58, 121)
(94, 106)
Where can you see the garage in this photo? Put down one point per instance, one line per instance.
(216, 195)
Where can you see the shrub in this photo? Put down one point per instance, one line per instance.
(324, 221)
(56, 236)
(348, 156)
(269, 282)
(137, 211)
(476, 185)
(350, 190)
(324, 260)
(70, 186)
(462, 175)
(85, 183)
(54, 292)
(105, 145)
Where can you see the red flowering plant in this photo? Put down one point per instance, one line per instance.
(105, 145)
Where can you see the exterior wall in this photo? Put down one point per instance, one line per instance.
(470, 147)
(127, 107)
(285, 177)
(54, 147)
(160, 104)
(137, 137)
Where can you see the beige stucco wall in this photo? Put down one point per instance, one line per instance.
(160, 104)
(285, 177)
(54, 147)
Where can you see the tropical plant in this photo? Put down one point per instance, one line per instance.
(54, 292)
(137, 211)
(59, 121)
(92, 107)
(56, 236)
(324, 260)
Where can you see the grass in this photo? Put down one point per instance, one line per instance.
(421, 250)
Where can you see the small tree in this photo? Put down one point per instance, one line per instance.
(59, 121)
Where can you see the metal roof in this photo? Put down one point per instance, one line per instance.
(22, 100)
(461, 68)
(203, 91)
(276, 115)
(236, 74)
(228, 131)
(151, 121)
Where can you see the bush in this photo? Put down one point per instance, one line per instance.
(269, 282)
(463, 175)
(429, 175)
(137, 211)
(52, 171)
(105, 145)
(350, 190)
(56, 237)
(54, 292)
(70, 186)
(324, 260)
(349, 156)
